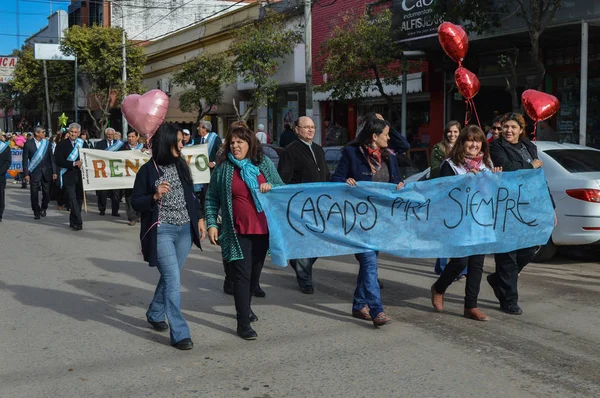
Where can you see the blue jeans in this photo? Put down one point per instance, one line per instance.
(367, 288)
(173, 246)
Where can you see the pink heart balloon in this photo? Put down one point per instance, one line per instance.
(146, 112)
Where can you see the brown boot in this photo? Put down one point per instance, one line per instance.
(381, 319)
(437, 299)
(476, 314)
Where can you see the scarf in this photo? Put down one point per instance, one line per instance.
(474, 163)
(250, 175)
(374, 157)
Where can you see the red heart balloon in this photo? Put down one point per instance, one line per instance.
(467, 82)
(539, 106)
(454, 41)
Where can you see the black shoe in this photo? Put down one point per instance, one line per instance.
(380, 284)
(252, 317)
(36, 217)
(259, 292)
(102, 212)
(116, 215)
(184, 344)
(494, 286)
(78, 227)
(159, 326)
(512, 309)
(246, 332)
(307, 289)
(228, 287)
(43, 213)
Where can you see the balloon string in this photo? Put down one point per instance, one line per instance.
(476, 115)
(467, 112)
(471, 108)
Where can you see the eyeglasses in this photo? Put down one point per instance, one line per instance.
(307, 127)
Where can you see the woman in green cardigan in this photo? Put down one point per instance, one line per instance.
(242, 171)
(441, 150)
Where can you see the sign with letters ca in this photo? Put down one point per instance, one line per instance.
(447, 217)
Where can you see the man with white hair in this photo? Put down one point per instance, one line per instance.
(206, 136)
(261, 135)
(111, 144)
(39, 171)
(66, 156)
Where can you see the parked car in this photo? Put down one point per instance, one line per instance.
(272, 152)
(573, 175)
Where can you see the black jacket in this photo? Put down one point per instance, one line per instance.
(212, 154)
(102, 145)
(46, 167)
(297, 165)
(61, 153)
(5, 162)
(287, 137)
(505, 155)
(142, 200)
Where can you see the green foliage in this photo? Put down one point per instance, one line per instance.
(27, 87)
(258, 49)
(205, 75)
(361, 48)
(98, 51)
(475, 16)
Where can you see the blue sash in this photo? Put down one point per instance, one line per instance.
(191, 143)
(138, 147)
(39, 155)
(210, 140)
(115, 147)
(3, 146)
(72, 157)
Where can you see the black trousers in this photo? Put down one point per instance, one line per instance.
(246, 273)
(58, 192)
(455, 266)
(35, 186)
(132, 215)
(74, 194)
(2, 198)
(115, 200)
(506, 277)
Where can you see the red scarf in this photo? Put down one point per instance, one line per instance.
(374, 157)
(473, 163)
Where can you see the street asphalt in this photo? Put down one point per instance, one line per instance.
(73, 325)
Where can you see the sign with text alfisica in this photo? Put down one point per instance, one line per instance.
(415, 19)
(447, 217)
(103, 170)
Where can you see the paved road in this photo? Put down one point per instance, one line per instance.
(73, 325)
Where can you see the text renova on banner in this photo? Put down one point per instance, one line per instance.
(446, 217)
(103, 170)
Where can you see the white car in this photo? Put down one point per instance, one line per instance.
(573, 175)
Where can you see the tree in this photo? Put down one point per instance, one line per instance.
(483, 15)
(258, 49)
(98, 51)
(206, 75)
(28, 88)
(361, 49)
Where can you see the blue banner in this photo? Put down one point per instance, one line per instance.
(445, 217)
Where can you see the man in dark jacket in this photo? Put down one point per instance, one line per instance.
(131, 145)
(287, 137)
(303, 161)
(39, 171)
(5, 162)
(113, 145)
(66, 156)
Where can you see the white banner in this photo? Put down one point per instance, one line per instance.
(102, 170)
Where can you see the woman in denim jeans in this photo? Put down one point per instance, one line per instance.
(368, 158)
(171, 219)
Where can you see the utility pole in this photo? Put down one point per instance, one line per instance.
(308, 56)
(124, 55)
(47, 101)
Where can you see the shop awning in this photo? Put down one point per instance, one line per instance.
(414, 85)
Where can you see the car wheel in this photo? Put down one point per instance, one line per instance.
(545, 252)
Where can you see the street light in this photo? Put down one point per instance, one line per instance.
(124, 55)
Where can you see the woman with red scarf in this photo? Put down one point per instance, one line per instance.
(470, 154)
(368, 158)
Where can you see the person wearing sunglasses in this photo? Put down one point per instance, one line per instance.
(496, 128)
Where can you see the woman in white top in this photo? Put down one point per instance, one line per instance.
(470, 154)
